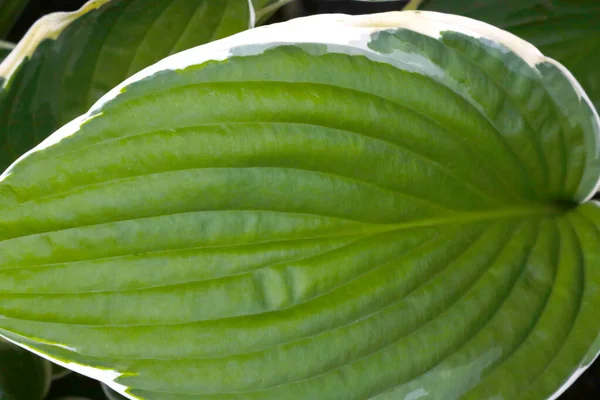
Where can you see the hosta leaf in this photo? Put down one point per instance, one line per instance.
(10, 10)
(566, 30)
(391, 206)
(68, 60)
(5, 49)
(266, 8)
(23, 375)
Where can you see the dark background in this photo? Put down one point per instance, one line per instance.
(587, 386)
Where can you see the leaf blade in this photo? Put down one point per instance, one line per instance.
(564, 30)
(67, 61)
(386, 245)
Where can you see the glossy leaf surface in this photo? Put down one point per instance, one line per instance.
(384, 207)
(68, 60)
(566, 30)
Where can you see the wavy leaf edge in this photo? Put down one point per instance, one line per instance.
(52, 25)
(339, 28)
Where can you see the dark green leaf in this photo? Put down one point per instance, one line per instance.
(10, 10)
(59, 372)
(23, 375)
(378, 207)
(67, 61)
(5, 49)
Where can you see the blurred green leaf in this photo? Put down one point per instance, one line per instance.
(59, 372)
(266, 8)
(23, 375)
(5, 49)
(76, 385)
(10, 10)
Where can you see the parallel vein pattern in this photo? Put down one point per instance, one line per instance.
(303, 221)
(565, 30)
(66, 74)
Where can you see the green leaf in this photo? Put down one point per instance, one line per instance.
(5, 49)
(390, 206)
(59, 372)
(10, 10)
(266, 8)
(23, 375)
(68, 60)
(566, 30)
(413, 5)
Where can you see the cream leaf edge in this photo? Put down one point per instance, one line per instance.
(333, 30)
(327, 29)
(47, 27)
(46, 365)
(105, 376)
(52, 25)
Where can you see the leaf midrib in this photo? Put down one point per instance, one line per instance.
(454, 218)
(481, 216)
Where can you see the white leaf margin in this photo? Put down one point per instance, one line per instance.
(108, 377)
(47, 27)
(331, 30)
(334, 31)
(52, 25)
